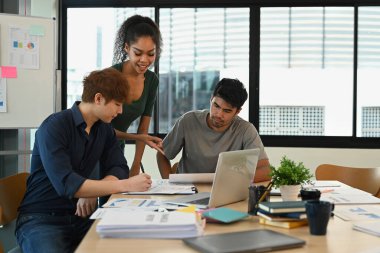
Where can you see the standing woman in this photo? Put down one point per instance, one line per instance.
(137, 46)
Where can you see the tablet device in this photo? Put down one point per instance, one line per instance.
(262, 240)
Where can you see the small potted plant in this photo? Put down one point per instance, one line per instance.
(288, 177)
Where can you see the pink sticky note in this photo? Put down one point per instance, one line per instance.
(8, 72)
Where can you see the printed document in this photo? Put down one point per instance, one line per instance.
(358, 213)
(163, 186)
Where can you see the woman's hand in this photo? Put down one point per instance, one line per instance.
(152, 141)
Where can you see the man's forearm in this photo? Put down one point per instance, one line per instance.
(262, 171)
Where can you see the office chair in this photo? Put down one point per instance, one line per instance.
(12, 190)
(366, 179)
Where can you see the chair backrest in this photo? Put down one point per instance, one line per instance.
(12, 190)
(366, 179)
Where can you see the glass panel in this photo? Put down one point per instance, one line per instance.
(201, 46)
(90, 39)
(306, 64)
(368, 104)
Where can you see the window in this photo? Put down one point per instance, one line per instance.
(306, 60)
(368, 72)
(201, 46)
(292, 120)
(311, 71)
(371, 121)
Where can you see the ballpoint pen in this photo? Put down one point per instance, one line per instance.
(142, 168)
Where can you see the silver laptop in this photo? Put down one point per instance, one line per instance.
(233, 175)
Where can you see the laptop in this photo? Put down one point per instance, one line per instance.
(233, 175)
(261, 240)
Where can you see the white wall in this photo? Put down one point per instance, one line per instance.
(311, 157)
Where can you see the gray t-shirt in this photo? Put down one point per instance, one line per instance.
(201, 145)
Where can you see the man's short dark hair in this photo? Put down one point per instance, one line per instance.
(232, 91)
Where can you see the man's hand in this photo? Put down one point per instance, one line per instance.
(139, 183)
(86, 206)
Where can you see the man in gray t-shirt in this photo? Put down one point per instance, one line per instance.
(202, 135)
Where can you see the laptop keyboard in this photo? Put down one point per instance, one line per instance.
(200, 201)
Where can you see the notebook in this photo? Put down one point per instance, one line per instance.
(224, 215)
(283, 206)
(233, 175)
(261, 240)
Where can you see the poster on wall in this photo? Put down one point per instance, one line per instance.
(3, 95)
(24, 48)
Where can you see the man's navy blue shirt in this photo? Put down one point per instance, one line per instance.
(64, 156)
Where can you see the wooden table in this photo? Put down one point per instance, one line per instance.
(340, 236)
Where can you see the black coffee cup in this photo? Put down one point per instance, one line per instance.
(318, 215)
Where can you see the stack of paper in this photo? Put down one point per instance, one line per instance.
(149, 225)
(370, 227)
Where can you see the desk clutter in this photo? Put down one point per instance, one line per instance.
(292, 214)
(158, 218)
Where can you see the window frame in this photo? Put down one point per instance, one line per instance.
(254, 60)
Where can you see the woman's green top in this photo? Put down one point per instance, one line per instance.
(140, 107)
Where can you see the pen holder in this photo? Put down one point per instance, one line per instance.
(255, 193)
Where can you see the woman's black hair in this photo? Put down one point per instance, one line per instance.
(130, 31)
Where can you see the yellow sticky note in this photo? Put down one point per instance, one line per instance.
(188, 209)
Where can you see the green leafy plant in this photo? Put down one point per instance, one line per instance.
(289, 173)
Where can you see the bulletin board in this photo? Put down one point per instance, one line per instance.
(27, 70)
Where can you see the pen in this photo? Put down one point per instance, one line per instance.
(267, 190)
(327, 190)
(142, 168)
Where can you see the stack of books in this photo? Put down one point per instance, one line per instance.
(146, 224)
(286, 214)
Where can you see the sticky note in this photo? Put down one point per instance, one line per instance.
(37, 30)
(188, 209)
(8, 72)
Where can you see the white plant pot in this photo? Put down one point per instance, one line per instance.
(290, 192)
